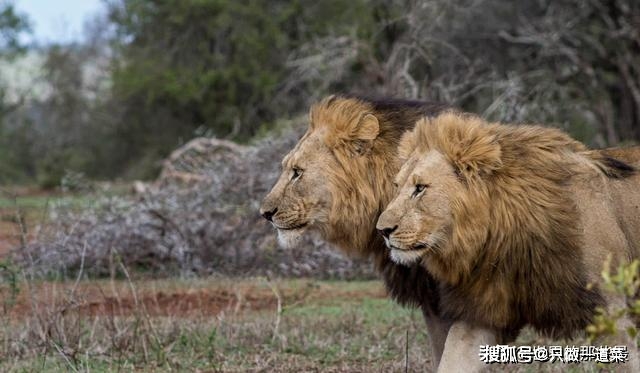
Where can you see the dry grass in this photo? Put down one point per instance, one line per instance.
(222, 325)
(216, 324)
(128, 322)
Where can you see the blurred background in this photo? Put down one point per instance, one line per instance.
(110, 88)
(137, 138)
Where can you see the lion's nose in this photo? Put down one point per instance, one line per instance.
(387, 231)
(269, 214)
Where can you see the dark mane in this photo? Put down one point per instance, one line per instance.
(400, 115)
(617, 169)
(391, 104)
(411, 286)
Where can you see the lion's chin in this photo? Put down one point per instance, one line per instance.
(290, 238)
(407, 257)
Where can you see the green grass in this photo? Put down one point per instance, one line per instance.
(331, 326)
(346, 333)
(41, 202)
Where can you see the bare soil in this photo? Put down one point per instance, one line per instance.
(161, 298)
(8, 238)
(10, 231)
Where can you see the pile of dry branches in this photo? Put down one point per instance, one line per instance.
(200, 217)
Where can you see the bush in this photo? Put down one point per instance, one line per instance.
(209, 226)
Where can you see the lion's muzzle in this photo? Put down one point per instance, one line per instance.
(268, 214)
(386, 231)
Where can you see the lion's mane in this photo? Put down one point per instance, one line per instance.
(365, 186)
(515, 254)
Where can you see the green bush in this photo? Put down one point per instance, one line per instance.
(625, 282)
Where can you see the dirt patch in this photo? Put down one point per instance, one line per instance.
(25, 207)
(201, 303)
(154, 299)
(9, 237)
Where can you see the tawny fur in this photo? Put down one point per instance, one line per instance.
(514, 252)
(358, 175)
(358, 165)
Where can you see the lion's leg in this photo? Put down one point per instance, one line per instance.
(461, 350)
(437, 328)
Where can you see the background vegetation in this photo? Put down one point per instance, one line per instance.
(150, 75)
(181, 273)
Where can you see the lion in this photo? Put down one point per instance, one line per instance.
(339, 178)
(514, 223)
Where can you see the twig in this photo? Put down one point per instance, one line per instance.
(406, 352)
(75, 284)
(276, 292)
(43, 218)
(140, 306)
(64, 355)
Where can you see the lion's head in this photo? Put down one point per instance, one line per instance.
(335, 178)
(491, 211)
(420, 218)
(440, 174)
(461, 177)
(300, 199)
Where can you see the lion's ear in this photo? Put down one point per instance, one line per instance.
(480, 156)
(367, 128)
(363, 134)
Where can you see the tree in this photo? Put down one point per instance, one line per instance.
(12, 26)
(216, 66)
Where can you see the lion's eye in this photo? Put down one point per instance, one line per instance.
(419, 189)
(296, 173)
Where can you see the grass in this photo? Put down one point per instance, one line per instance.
(328, 326)
(24, 210)
(42, 202)
(217, 325)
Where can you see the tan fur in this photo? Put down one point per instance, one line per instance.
(346, 184)
(501, 222)
(342, 155)
(349, 166)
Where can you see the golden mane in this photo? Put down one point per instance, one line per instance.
(359, 138)
(516, 242)
(345, 128)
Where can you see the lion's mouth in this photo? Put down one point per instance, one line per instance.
(419, 246)
(415, 247)
(291, 227)
(393, 247)
(407, 256)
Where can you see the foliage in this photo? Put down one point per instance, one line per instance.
(206, 224)
(624, 282)
(151, 75)
(12, 25)
(216, 65)
(9, 284)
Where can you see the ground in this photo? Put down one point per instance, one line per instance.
(23, 209)
(211, 324)
(214, 324)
